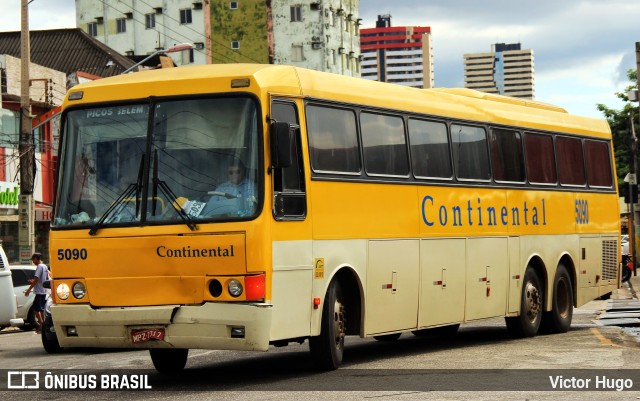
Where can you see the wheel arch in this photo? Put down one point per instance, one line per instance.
(353, 293)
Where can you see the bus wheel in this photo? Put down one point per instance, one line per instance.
(169, 360)
(559, 318)
(328, 347)
(388, 337)
(527, 324)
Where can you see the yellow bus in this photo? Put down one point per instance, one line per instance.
(237, 207)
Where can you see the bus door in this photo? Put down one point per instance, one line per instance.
(292, 255)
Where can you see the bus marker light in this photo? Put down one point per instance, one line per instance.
(240, 83)
(488, 291)
(316, 303)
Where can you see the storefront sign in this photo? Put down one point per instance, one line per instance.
(44, 213)
(9, 192)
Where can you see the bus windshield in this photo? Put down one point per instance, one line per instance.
(159, 162)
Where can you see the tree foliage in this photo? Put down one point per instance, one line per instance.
(620, 123)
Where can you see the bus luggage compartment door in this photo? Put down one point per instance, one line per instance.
(392, 285)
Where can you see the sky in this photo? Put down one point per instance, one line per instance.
(582, 48)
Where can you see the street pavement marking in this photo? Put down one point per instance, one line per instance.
(603, 340)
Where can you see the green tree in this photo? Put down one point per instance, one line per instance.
(620, 123)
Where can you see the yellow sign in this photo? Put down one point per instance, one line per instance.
(318, 268)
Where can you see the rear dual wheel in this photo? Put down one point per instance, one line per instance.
(558, 320)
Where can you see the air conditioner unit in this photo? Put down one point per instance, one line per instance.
(158, 10)
(316, 45)
(129, 15)
(315, 6)
(197, 5)
(198, 45)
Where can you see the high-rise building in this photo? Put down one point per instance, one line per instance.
(506, 70)
(317, 34)
(400, 55)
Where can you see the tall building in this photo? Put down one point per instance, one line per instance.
(506, 70)
(317, 34)
(400, 55)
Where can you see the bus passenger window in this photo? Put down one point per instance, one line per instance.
(599, 172)
(470, 155)
(333, 140)
(506, 155)
(571, 163)
(429, 149)
(541, 163)
(384, 145)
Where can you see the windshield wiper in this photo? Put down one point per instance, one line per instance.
(164, 188)
(132, 189)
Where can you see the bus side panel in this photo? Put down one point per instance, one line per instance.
(487, 275)
(392, 286)
(442, 283)
(291, 283)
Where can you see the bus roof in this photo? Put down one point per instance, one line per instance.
(460, 103)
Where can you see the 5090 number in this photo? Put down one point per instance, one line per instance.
(72, 254)
(582, 211)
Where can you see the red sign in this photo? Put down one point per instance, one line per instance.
(142, 335)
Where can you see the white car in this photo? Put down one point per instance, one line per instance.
(26, 317)
(7, 296)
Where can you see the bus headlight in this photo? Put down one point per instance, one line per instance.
(79, 290)
(62, 291)
(234, 287)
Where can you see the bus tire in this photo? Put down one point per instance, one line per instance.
(558, 320)
(327, 348)
(169, 360)
(531, 307)
(388, 337)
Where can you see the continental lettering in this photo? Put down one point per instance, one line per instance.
(188, 252)
(474, 212)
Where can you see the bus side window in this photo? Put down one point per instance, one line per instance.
(289, 188)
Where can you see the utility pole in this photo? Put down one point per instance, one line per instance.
(25, 147)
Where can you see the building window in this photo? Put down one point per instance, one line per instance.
(185, 16)
(296, 13)
(296, 53)
(121, 25)
(235, 45)
(150, 21)
(92, 29)
(233, 5)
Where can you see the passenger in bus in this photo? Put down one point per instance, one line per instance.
(234, 196)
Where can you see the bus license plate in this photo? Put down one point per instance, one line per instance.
(142, 335)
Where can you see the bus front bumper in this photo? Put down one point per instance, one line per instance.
(207, 326)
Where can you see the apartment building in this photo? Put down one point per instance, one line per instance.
(402, 55)
(506, 70)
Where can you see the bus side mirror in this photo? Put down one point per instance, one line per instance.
(281, 139)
